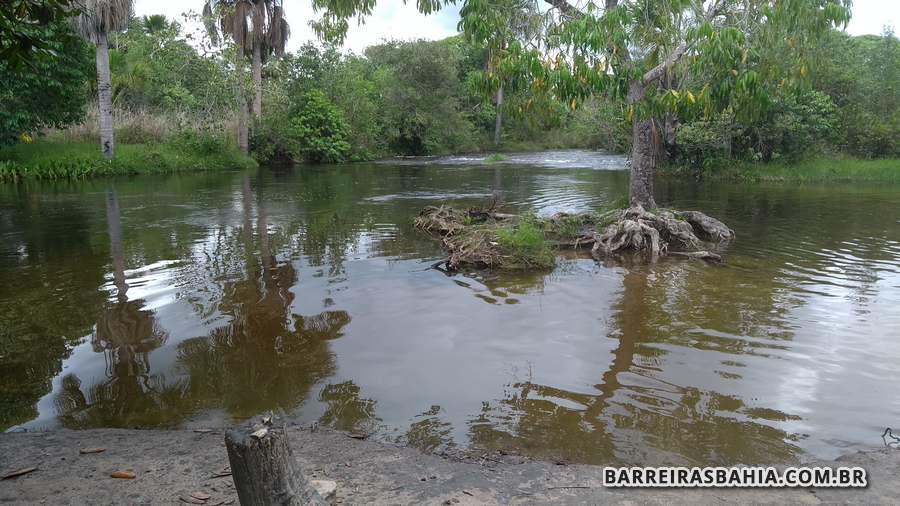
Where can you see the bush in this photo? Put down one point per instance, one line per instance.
(797, 125)
(202, 142)
(703, 144)
(310, 130)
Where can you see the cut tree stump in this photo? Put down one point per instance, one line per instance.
(263, 467)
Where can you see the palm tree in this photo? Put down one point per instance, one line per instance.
(258, 29)
(94, 22)
(154, 23)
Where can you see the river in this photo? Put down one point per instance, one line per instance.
(201, 299)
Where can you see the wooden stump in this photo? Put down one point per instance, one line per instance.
(263, 467)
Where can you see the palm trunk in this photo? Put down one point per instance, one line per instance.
(104, 97)
(499, 122)
(257, 80)
(243, 133)
(643, 154)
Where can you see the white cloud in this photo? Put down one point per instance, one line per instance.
(870, 16)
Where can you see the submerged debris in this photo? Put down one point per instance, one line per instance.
(485, 238)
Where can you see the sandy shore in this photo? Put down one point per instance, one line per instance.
(169, 465)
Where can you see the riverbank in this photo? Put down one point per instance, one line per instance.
(171, 464)
(814, 170)
(57, 161)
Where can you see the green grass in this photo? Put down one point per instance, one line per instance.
(496, 157)
(525, 244)
(815, 170)
(56, 161)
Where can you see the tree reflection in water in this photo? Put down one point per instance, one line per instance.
(346, 410)
(634, 417)
(126, 334)
(265, 357)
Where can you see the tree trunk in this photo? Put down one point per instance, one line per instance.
(264, 470)
(243, 133)
(671, 131)
(104, 97)
(257, 80)
(643, 154)
(499, 122)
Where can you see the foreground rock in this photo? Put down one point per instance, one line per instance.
(177, 467)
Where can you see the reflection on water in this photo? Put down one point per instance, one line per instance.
(204, 299)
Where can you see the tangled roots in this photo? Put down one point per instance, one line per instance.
(635, 229)
(709, 229)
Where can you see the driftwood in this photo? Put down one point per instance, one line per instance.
(263, 467)
(701, 255)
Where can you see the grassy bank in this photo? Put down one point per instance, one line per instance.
(55, 161)
(823, 169)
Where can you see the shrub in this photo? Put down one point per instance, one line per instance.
(525, 243)
(310, 129)
(201, 142)
(703, 144)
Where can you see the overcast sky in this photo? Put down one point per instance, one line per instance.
(392, 19)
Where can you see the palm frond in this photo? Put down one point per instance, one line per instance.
(97, 18)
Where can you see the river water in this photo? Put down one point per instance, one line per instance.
(202, 299)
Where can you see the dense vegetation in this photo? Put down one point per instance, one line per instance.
(851, 105)
(815, 95)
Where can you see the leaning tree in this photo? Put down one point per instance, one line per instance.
(629, 50)
(95, 20)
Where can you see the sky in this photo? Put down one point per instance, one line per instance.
(394, 19)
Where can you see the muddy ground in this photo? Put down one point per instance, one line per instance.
(169, 465)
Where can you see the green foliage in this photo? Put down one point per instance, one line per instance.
(704, 143)
(862, 76)
(23, 34)
(53, 161)
(422, 107)
(569, 226)
(524, 242)
(49, 89)
(851, 105)
(797, 125)
(308, 129)
(317, 132)
(813, 170)
(154, 68)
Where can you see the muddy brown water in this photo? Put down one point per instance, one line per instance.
(202, 299)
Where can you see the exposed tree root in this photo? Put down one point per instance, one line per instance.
(484, 238)
(635, 229)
